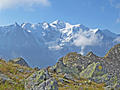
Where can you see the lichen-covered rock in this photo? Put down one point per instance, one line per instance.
(88, 72)
(41, 80)
(68, 76)
(50, 84)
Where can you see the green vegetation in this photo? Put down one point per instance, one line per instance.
(15, 75)
(8, 86)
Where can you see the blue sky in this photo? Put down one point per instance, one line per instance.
(103, 14)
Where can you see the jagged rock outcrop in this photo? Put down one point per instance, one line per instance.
(75, 71)
(19, 61)
(41, 80)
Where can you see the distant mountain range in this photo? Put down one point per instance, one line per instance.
(43, 43)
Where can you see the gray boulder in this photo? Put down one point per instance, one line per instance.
(41, 80)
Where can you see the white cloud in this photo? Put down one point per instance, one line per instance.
(16, 3)
(57, 47)
(85, 39)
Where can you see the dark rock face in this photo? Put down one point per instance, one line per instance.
(20, 61)
(85, 69)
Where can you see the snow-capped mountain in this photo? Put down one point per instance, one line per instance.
(43, 43)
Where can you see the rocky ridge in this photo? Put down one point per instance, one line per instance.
(77, 72)
(72, 72)
(19, 61)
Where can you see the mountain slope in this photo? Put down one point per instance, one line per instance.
(36, 41)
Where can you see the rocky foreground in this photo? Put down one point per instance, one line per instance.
(71, 72)
(77, 72)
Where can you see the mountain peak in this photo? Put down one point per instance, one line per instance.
(114, 52)
(96, 30)
(19, 61)
(16, 24)
(57, 22)
(91, 54)
(25, 25)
